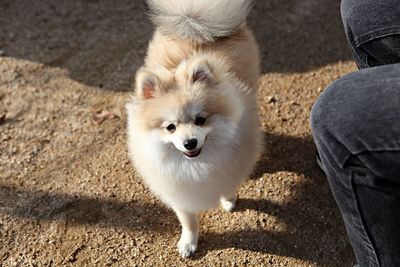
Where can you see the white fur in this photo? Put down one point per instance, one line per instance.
(201, 20)
(188, 71)
(194, 184)
(227, 156)
(228, 204)
(189, 185)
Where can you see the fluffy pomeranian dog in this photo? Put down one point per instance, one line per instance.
(193, 128)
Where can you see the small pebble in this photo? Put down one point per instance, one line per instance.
(272, 99)
(2, 118)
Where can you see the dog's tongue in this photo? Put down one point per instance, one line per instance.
(192, 154)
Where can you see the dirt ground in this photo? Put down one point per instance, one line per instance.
(68, 193)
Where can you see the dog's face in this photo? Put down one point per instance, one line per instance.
(194, 107)
(186, 125)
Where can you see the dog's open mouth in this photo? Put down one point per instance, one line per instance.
(192, 154)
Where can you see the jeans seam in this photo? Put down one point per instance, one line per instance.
(366, 37)
(344, 161)
(355, 50)
(372, 255)
(361, 57)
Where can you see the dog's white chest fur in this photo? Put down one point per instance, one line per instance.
(189, 184)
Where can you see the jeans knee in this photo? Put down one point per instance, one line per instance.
(354, 12)
(347, 10)
(359, 112)
(316, 117)
(344, 8)
(330, 122)
(332, 113)
(356, 17)
(324, 112)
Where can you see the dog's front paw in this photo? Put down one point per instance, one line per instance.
(228, 205)
(185, 248)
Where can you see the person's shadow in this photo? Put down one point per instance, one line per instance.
(299, 36)
(102, 43)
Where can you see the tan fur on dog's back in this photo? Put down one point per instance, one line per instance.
(239, 51)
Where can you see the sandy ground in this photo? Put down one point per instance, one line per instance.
(68, 194)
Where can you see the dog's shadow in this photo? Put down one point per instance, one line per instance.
(313, 229)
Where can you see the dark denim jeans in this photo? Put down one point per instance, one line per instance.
(356, 128)
(373, 30)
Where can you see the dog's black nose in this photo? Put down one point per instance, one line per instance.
(190, 144)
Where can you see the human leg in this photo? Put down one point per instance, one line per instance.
(373, 31)
(356, 127)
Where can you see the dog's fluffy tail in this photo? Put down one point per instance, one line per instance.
(199, 20)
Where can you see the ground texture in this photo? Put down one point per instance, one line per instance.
(68, 194)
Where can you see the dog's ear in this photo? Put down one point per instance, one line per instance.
(147, 84)
(201, 71)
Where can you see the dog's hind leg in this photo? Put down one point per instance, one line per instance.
(187, 244)
(228, 203)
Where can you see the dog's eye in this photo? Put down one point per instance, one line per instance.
(171, 128)
(200, 121)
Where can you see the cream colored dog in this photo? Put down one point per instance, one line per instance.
(193, 129)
